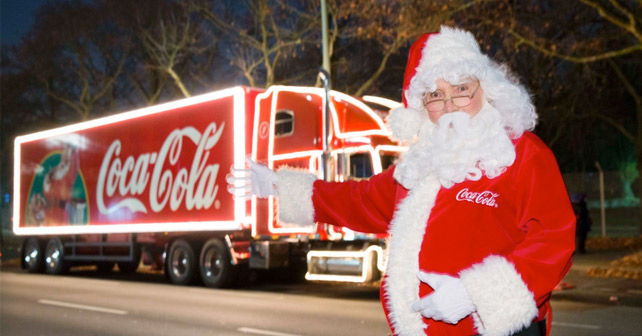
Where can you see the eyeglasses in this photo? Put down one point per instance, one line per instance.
(459, 101)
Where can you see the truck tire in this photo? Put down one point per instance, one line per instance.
(216, 268)
(33, 256)
(181, 263)
(55, 257)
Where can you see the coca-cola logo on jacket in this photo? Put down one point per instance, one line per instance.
(486, 197)
(126, 179)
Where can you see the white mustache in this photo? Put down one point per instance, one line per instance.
(457, 121)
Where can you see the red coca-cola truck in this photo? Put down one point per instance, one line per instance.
(149, 186)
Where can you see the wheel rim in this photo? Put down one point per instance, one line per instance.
(32, 253)
(213, 263)
(53, 256)
(180, 263)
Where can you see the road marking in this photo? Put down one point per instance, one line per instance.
(263, 332)
(84, 307)
(635, 291)
(576, 325)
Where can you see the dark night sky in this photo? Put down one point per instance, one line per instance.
(16, 17)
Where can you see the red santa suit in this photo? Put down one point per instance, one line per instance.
(509, 239)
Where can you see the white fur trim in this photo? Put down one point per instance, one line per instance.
(294, 191)
(455, 56)
(504, 303)
(404, 123)
(407, 231)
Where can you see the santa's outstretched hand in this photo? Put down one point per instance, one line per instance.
(449, 302)
(258, 180)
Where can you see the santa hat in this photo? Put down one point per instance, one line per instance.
(454, 55)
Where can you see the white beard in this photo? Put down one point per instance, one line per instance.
(458, 148)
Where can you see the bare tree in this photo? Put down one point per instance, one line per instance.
(74, 56)
(609, 39)
(392, 25)
(173, 48)
(170, 40)
(261, 36)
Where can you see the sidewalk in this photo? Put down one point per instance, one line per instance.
(594, 278)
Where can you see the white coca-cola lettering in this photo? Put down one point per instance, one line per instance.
(111, 174)
(485, 197)
(196, 187)
(137, 185)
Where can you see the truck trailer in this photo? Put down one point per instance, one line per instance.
(148, 186)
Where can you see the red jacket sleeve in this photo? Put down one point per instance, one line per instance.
(364, 206)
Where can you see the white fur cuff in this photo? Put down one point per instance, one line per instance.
(294, 189)
(504, 303)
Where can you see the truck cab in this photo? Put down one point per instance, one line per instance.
(358, 147)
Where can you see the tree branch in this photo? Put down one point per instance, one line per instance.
(60, 99)
(586, 59)
(630, 27)
(629, 87)
(617, 125)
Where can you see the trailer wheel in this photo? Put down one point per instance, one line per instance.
(32, 256)
(55, 257)
(181, 263)
(216, 268)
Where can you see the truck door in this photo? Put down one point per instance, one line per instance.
(288, 127)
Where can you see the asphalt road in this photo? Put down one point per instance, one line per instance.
(143, 304)
(587, 319)
(80, 305)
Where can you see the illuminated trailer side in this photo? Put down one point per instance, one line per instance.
(108, 190)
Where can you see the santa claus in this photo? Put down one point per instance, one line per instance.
(481, 226)
(57, 187)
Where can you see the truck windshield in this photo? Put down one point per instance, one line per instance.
(387, 160)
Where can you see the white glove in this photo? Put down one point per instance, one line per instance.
(258, 180)
(449, 301)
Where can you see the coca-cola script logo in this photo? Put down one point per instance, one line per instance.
(485, 197)
(131, 176)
